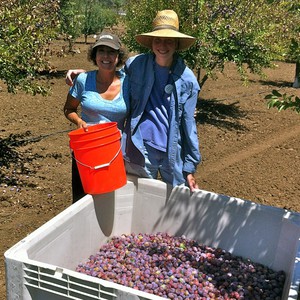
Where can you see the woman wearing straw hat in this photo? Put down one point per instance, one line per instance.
(160, 137)
(161, 133)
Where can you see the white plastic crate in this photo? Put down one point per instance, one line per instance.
(41, 266)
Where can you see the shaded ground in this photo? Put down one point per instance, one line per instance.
(248, 151)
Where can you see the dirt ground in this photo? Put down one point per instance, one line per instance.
(248, 151)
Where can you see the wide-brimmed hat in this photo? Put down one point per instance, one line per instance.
(166, 25)
(109, 40)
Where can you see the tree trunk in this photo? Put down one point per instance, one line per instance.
(296, 83)
(71, 43)
(198, 74)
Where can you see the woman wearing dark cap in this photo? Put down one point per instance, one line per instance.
(101, 94)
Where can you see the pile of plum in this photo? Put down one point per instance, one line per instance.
(181, 268)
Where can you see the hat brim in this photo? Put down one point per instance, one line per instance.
(184, 41)
(108, 44)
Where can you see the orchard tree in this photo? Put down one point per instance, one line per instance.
(96, 18)
(26, 30)
(86, 17)
(287, 38)
(245, 32)
(71, 18)
(294, 47)
(290, 51)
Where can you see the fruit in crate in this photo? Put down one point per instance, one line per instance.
(180, 268)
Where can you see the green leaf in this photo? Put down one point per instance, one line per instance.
(276, 93)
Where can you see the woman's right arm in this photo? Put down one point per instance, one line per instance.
(71, 74)
(70, 111)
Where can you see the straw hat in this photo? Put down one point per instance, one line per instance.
(166, 25)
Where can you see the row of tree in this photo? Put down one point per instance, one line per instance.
(87, 17)
(28, 28)
(250, 33)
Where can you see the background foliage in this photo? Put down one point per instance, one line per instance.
(87, 17)
(25, 34)
(28, 27)
(251, 33)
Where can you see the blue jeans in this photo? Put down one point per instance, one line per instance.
(156, 162)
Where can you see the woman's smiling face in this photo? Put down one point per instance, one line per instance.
(164, 49)
(106, 57)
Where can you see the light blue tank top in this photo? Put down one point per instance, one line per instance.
(94, 108)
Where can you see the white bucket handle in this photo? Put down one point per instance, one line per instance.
(99, 166)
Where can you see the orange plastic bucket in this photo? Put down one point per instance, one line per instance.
(99, 159)
(95, 141)
(94, 131)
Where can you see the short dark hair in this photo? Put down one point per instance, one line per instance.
(122, 55)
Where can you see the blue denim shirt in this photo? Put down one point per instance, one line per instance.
(183, 144)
